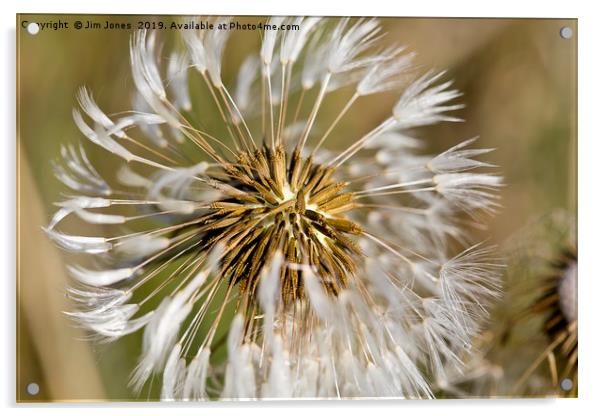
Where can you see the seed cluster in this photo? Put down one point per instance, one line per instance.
(278, 201)
(558, 325)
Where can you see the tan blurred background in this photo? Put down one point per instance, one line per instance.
(518, 77)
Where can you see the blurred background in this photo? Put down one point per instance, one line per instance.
(519, 82)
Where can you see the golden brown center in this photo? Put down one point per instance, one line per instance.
(274, 201)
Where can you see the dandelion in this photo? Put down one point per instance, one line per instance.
(530, 347)
(558, 304)
(321, 272)
(554, 308)
(550, 272)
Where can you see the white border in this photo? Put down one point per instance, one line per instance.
(590, 209)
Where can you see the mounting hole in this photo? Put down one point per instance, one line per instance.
(566, 32)
(33, 389)
(566, 384)
(33, 28)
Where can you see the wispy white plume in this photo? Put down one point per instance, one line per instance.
(421, 104)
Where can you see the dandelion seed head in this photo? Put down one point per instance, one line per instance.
(558, 305)
(335, 262)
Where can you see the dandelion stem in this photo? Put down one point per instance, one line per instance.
(267, 75)
(357, 146)
(405, 191)
(219, 107)
(397, 185)
(335, 122)
(314, 111)
(388, 247)
(299, 103)
(238, 116)
(285, 98)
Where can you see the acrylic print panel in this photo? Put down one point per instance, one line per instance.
(251, 207)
